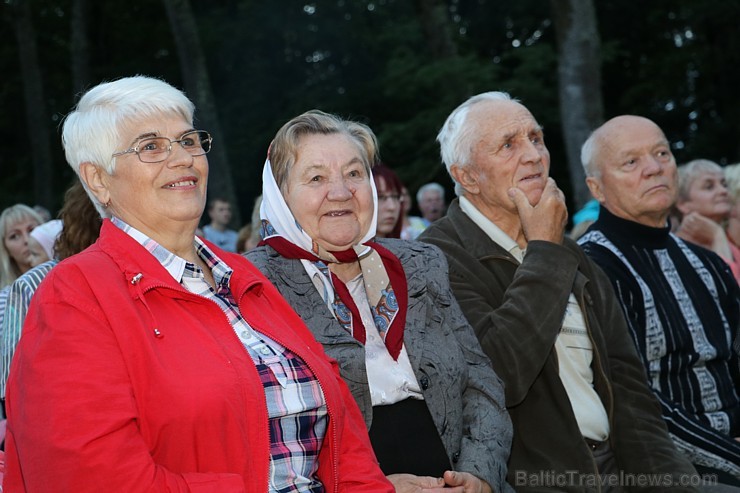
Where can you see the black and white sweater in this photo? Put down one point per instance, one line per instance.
(682, 306)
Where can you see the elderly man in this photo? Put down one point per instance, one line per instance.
(680, 300)
(584, 418)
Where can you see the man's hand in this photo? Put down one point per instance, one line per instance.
(545, 221)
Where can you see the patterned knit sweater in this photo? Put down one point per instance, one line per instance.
(682, 306)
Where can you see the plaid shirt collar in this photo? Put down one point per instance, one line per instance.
(177, 266)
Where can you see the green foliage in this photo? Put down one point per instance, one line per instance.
(677, 62)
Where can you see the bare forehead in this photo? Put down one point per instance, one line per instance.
(500, 118)
(631, 135)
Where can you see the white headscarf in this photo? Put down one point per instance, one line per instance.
(281, 222)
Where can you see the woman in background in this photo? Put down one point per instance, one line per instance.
(704, 205)
(390, 201)
(16, 224)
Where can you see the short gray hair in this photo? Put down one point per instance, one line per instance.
(457, 137)
(588, 151)
(92, 131)
(430, 187)
(283, 151)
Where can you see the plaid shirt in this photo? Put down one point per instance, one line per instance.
(295, 403)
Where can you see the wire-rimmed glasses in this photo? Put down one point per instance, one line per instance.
(157, 149)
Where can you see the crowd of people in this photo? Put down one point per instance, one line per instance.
(336, 343)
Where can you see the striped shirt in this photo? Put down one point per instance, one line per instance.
(682, 307)
(295, 403)
(18, 298)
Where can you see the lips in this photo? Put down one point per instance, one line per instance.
(337, 213)
(535, 176)
(187, 182)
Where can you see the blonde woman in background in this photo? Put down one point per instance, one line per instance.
(704, 206)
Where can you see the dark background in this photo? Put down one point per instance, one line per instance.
(386, 63)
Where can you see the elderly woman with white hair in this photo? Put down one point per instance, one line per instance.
(155, 361)
(703, 208)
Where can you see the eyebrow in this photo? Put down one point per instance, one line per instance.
(148, 135)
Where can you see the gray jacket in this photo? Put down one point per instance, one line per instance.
(464, 395)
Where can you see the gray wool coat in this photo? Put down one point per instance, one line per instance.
(464, 395)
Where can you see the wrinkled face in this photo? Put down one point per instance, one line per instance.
(16, 242)
(509, 152)
(432, 205)
(36, 253)
(328, 191)
(708, 196)
(154, 197)
(389, 207)
(220, 212)
(638, 179)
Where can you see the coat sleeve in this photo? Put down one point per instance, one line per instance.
(73, 418)
(499, 308)
(487, 429)
(357, 467)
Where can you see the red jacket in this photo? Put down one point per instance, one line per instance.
(122, 386)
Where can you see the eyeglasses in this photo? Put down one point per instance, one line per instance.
(157, 149)
(394, 198)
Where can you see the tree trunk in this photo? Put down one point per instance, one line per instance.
(79, 46)
(579, 77)
(198, 89)
(33, 95)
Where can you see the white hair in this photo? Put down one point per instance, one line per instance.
(429, 187)
(588, 150)
(457, 137)
(92, 131)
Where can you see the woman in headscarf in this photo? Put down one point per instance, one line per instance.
(384, 310)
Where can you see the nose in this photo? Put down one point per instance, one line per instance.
(179, 156)
(654, 166)
(340, 190)
(531, 153)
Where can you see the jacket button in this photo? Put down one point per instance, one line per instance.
(455, 457)
(424, 383)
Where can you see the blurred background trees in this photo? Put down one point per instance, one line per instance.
(400, 66)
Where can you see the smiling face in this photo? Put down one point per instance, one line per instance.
(707, 195)
(509, 152)
(637, 178)
(156, 198)
(328, 191)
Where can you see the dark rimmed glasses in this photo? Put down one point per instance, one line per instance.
(157, 149)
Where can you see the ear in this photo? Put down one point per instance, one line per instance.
(95, 180)
(594, 185)
(467, 177)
